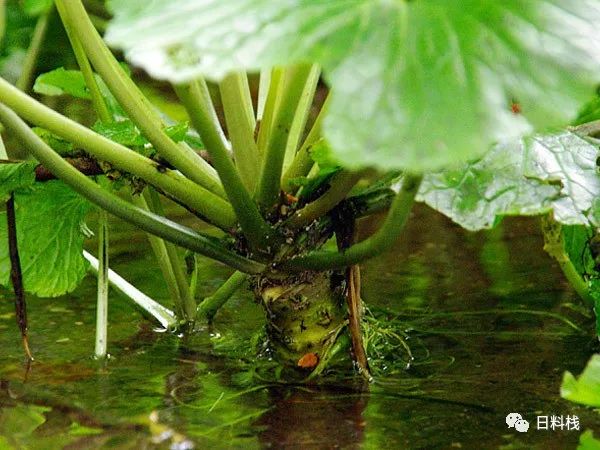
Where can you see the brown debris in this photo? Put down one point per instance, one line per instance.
(308, 361)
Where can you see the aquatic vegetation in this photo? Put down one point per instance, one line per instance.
(298, 120)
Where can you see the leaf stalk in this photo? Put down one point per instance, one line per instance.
(255, 228)
(370, 247)
(160, 226)
(209, 205)
(131, 98)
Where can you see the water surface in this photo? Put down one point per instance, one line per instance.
(488, 317)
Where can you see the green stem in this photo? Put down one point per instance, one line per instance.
(188, 304)
(273, 87)
(88, 74)
(25, 80)
(554, 245)
(372, 246)
(194, 275)
(341, 184)
(161, 314)
(209, 205)
(263, 90)
(3, 153)
(212, 121)
(301, 116)
(254, 227)
(370, 202)
(131, 98)
(102, 301)
(159, 247)
(160, 226)
(270, 179)
(210, 305)
(303, 162)
(239, 113)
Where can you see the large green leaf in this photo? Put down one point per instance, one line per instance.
(586, 389)
(527, 177)
(417, 85)
(50, 238)
(15, 176)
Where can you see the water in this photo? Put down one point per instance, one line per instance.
(460, 299)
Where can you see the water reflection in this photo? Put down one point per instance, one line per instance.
(313, 417)
(463, 301)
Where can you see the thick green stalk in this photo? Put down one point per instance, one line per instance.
(188, 304)
(179, 291)
(239, 113)
(303, 162)
(25, 80)
(212, 118)
(162, 258)
(88, 74)
(159, 248)
(254, 227)
(341, 184)
(266, 113)
(302, 112)
(160, 226)
(263, 90)
(210, 305)
(270, 178)
(161, 314)
(209, 205)
(102, 301)
(372, 246)
(131, 98)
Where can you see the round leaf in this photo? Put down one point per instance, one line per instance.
(416, 85)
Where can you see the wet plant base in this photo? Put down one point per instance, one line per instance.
(305, 316)
(476, 326)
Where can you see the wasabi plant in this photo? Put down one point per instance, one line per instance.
(464, 106)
